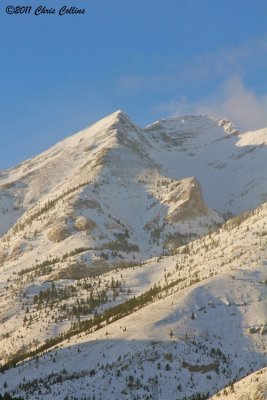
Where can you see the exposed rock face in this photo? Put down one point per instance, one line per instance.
(84, 224)
(81, 203)
(188, 201)
(3, 256)
(229, 127)
(18, 249)
(200, 367)
(58, 233)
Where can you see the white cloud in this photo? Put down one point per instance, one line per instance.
(233, 100)
(240, 104)
(202, 69)
(228, 61)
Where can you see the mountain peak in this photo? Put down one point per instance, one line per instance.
(118, 115)
(123, 118)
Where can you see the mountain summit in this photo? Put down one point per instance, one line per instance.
(151, 180)
(226, 164)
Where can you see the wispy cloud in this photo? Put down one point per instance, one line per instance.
(229, 61)
(232, 100)
(202, 68)
(210, 83)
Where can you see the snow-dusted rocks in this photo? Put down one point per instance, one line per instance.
(187, 202)
(84, 224)
(58, 233)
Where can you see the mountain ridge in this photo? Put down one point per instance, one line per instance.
(72, 153)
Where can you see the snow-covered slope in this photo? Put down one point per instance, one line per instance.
(230, 166)
(204, 327)
(253, 387)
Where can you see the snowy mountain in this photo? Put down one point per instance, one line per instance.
(118, 270)
(252, 387)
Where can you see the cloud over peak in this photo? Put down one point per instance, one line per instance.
(232, 99)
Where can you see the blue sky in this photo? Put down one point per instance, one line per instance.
(151, 58)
